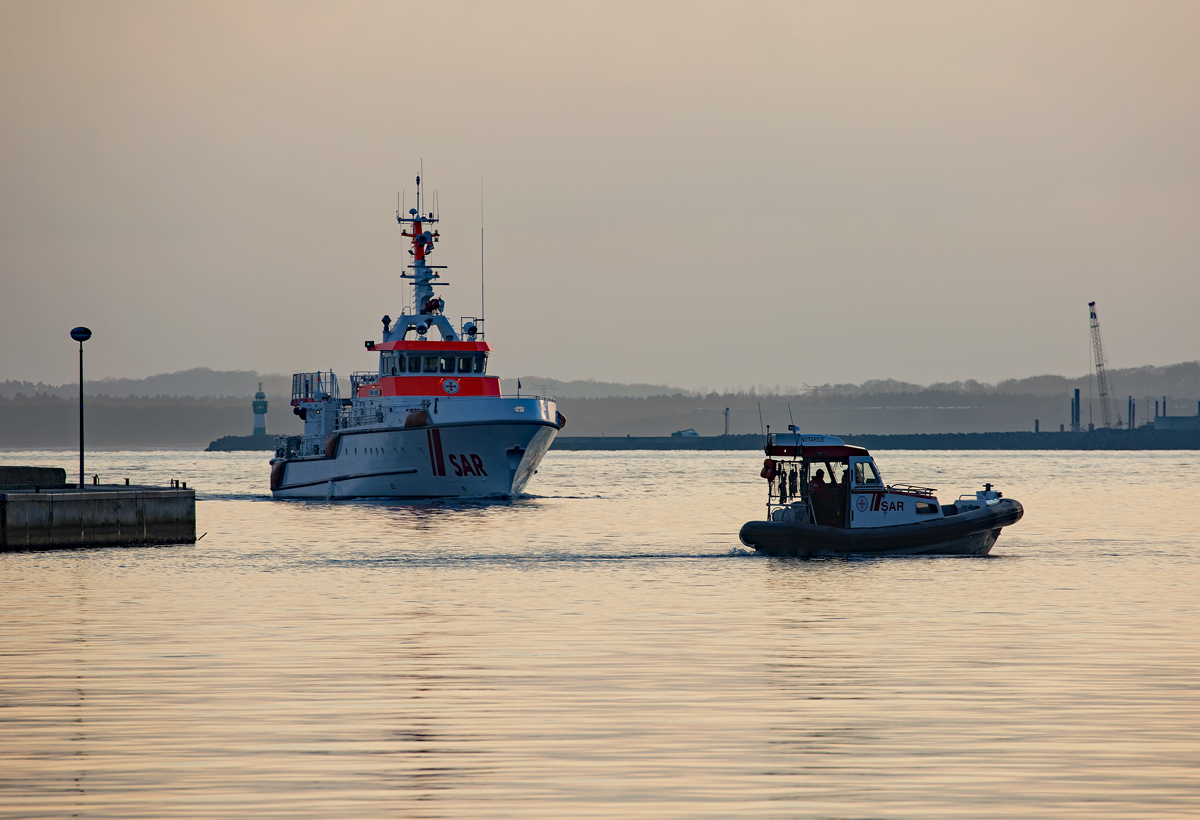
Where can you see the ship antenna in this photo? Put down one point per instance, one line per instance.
(483, 301)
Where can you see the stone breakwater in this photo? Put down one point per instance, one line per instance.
(96, 516)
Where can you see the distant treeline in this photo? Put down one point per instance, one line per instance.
(51, 421)
(1172, 380)
(927, 411)
(1177, 379)
(200, 382)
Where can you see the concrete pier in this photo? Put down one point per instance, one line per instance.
(104, 515)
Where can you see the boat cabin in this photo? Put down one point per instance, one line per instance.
(822, 480)
(428, 368)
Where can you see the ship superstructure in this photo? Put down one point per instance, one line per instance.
(429, 421)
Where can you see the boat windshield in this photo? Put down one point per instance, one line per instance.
(864, 473)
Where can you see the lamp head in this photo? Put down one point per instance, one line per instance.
(81, 334)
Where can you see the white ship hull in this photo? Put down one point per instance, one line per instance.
(470, 459)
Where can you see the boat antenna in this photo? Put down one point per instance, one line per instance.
(791, 419)
(483, 303)
(760, 422)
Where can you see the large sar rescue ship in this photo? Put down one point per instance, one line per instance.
(428, 422)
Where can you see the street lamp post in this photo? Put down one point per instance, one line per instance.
(81, 335)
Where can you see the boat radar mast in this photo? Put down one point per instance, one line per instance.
(427, 308)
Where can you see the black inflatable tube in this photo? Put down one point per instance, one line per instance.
(800, 540)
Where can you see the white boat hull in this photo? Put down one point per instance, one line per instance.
(443, 461)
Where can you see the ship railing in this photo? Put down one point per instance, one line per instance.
(911, 489)
(361, 378)
(292, 447)
(313, 387)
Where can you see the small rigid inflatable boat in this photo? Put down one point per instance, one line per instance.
(827, 498)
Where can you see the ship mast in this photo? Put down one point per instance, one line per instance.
(427, 306)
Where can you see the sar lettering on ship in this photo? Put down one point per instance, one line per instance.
(427, 399)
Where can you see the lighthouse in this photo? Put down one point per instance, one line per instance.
(260, 412)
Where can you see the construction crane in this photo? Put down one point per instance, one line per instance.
(1101, 374)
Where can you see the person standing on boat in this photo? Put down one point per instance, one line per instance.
(818, 494)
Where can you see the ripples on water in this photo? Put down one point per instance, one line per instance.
(607, 648)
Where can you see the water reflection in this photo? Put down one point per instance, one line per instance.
(607, 650)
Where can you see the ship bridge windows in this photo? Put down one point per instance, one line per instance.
(391, 363)
(399, 363)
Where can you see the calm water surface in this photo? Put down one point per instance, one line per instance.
(607, 649)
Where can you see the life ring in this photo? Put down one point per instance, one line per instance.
(768, 470)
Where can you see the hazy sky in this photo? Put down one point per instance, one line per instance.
(704, 194)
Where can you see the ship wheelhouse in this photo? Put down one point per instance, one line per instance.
(822, 480)
(429, 368)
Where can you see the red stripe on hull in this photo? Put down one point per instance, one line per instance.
(437, 448)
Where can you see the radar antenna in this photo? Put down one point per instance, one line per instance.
(1101, 368)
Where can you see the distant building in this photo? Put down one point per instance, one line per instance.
(260, 412)
(684, 433)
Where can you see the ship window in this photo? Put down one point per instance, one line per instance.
(481, 363)
(864, 473)
(925, 508)
(447, 364)
(414, 364)
(464, 364)
(431, 364)
(398, 367)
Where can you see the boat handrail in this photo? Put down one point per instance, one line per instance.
(912, 489)
(362, 377)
